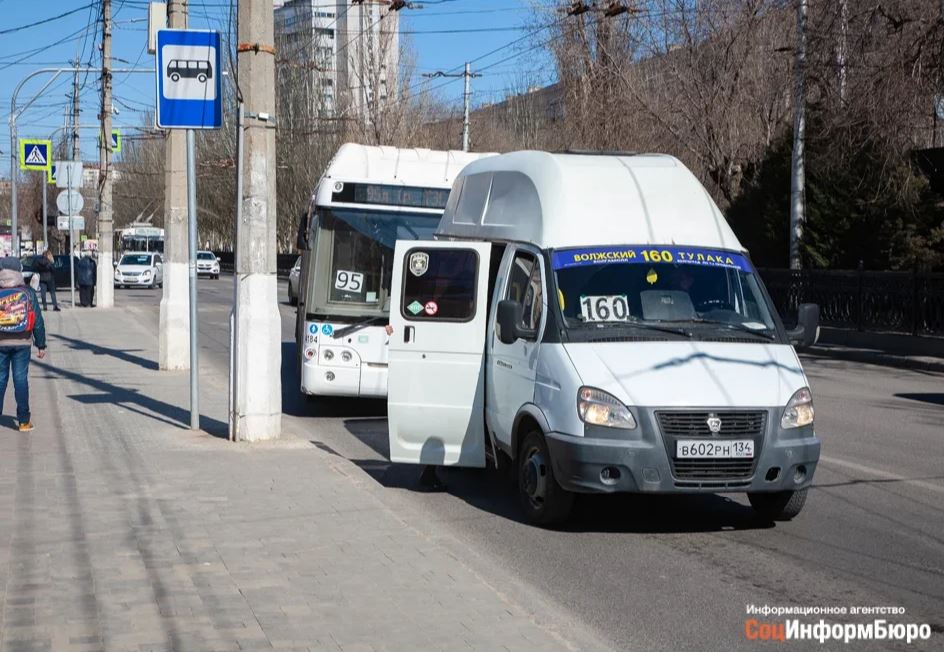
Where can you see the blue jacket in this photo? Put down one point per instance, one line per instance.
(85, 271)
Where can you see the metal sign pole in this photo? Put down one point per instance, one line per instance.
(45, 219)
(69, 182)
(192, 269)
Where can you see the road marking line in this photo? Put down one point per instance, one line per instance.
(881, 473)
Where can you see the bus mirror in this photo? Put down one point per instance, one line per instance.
(509, 316)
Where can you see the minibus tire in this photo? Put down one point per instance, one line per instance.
(778, 506)
(535, 476)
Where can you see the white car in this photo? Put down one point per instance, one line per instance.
(294, 281)
(140, 269)
(208, 264)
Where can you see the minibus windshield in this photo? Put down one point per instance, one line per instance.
(354, 257)
(698, 293)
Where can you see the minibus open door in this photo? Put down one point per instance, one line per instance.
(435, 389)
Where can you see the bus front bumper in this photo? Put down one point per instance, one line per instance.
(363, 380)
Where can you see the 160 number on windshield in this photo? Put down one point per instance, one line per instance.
(605, 308)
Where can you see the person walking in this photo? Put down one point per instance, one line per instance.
(45, 266)
(21, 326)
(85, 277)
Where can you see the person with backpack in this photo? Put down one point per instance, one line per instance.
(21, 326)
(46, 265)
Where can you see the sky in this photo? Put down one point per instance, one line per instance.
(473, 30)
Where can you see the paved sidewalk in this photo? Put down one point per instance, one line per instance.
(120, 529)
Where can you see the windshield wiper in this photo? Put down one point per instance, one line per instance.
(348, 330)
(735, 326)
(641, 324)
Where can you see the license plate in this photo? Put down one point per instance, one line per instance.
(715, 448)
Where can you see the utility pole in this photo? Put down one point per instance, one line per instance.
(76, 152)
(797, 153)
(467, 75)
(174, 324)
(106, 240)
(257, 337)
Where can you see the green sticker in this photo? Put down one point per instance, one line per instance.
(415, 307)
(362, 338)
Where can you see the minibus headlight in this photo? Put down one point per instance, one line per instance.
(799, 410)
(329, 354)
(603, 409)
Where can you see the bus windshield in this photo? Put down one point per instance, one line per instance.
(354, 258)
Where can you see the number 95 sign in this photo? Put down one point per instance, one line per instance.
(350, 281)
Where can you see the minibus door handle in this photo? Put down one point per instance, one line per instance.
(408, 333)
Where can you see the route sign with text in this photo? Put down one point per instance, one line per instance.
(189, 91)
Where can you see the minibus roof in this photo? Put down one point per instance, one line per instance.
(380, 164)
(575, 200)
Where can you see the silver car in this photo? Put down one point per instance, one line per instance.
(140, 269)
(294, 282)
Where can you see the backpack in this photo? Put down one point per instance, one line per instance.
(16, 311)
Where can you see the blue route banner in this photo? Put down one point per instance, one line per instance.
(649, 255)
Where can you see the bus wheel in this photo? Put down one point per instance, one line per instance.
(175, 77)
(545, 502)
(202, 78)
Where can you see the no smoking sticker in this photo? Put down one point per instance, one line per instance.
(431, 308)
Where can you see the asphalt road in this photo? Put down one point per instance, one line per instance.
(678, 572)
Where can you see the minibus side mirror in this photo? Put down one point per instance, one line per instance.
(509, 316)
(808, 329)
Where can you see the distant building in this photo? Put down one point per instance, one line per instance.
(349, 52)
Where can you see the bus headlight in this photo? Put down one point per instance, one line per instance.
(799, 410)
(603, 409)
(346, 356)
(329, 354)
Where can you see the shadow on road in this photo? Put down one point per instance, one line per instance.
(131, 399)
(99, 350)
(937, 398)
(494, 492)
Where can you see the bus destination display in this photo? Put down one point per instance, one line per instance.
(387, 195)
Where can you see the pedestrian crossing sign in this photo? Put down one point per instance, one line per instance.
(51, 173)
(34, 154)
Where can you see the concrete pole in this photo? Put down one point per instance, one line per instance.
(797, 153)
(174, 326)
(106, 237)
(258, 334)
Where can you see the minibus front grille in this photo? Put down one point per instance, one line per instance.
(732, 424)
(695, 424)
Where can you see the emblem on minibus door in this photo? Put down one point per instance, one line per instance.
(714, 423)
(419, 262)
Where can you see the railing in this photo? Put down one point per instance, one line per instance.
(903, 302)
(284, 262)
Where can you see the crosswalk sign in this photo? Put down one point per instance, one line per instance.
(51, 173)
(34, 154)
(116, 141)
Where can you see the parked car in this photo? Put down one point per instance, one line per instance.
(294, 281)
(208, 264)
(60, 271)
(140, 269)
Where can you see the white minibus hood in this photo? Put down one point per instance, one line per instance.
(690, 374)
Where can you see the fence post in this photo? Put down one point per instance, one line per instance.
(915, 298)
(859, 295)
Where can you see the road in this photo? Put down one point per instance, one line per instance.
(678, 572)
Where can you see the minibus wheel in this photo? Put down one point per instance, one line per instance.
(544, 501)
(778, 506)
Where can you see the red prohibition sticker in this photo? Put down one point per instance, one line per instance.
(430, 308)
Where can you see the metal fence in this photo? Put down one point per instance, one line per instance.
(903, 302)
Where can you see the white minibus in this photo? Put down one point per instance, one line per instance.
(593, 321)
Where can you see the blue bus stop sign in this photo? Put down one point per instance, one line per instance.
(189, 91)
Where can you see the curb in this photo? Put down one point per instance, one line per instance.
(876, 358)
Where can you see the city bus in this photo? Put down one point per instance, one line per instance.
(368, 198)
(139, 237)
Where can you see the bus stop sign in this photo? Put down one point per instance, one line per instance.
(189, 92)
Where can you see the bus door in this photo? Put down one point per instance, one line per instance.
(439, 309)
